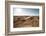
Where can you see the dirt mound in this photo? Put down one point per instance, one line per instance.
(26, 21)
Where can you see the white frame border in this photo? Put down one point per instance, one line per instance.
(25, 28)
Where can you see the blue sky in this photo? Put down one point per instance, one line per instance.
(26, 11)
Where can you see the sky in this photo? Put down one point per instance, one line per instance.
(25, 12)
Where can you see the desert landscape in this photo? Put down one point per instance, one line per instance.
(26, 21)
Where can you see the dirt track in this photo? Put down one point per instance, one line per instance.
(26, 21)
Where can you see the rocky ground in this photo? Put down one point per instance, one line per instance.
(26, 21)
